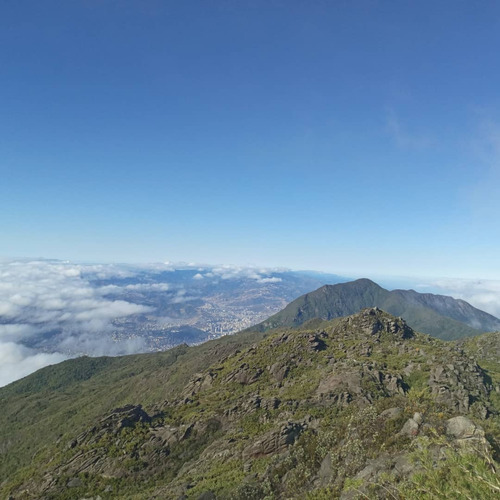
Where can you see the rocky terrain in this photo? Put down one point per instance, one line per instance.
(358, 407)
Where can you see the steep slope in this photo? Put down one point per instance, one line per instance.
(64, 398)
(456, 309)
(437, 315)
(486, 349)
(322, 413)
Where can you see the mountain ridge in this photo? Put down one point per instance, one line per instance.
(438, 315)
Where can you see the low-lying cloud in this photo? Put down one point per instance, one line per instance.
(139, 287)
(260, 275)
(51, 310)
(40, 299)
(483, 294)
(17, 361)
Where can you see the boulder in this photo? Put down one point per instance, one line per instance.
(391, 413)
(315, 343)
(326, 471)
(274, 441)
(279, 371)
(462, 428)
(244, 375)
(412, 426)
(127, 416)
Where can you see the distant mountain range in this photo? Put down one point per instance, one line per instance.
(437, 315)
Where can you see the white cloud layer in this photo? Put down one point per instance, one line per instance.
(260, 275)
(75, 305)
(17, 361)
(49, 297)
(148, 287)
(483, 294)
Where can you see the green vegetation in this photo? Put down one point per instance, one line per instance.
(456, 474)
(360, 404)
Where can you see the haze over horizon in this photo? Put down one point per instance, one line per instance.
(361, 138)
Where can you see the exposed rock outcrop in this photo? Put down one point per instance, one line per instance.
(274, 441)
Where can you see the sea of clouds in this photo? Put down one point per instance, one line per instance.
(483, 294)
(40, 298)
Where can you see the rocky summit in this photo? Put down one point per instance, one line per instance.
(358, 407)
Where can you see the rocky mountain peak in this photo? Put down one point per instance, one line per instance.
(375, 323)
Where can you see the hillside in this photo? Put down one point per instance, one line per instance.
(437, 315)
(362, 406)
(61, 399)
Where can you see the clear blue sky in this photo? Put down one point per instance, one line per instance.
(349, 136)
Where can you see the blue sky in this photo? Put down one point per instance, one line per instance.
(358, 137)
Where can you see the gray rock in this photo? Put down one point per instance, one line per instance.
(394, 384)
(391, 413)
(463, 428)
(457, 384)
(411, 426)
(74, 482)
(316, 343)
(270, 404)
(279, 371)
(127, 416)
(325, 472)
(417, 417)
(399, 465)
(244, 375)
(207, 495)
(274, 441)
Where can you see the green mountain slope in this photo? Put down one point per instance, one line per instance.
(360, 406)
(440, 316)
(64, 398)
